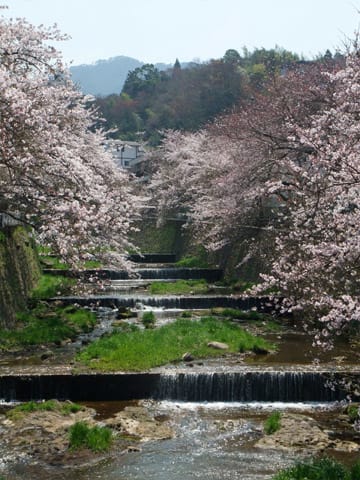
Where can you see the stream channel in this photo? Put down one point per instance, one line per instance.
(214, 439)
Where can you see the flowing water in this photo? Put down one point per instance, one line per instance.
(213, 441)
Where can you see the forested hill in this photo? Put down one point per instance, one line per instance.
(106, 76)
(188, 98)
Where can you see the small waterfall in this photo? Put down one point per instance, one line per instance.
(240, 386)
(171, 301)
(209, 274)
(248, 387)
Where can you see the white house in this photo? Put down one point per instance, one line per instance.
(128, 155)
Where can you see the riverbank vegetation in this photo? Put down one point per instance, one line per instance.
(46, 324)
(65, 408)
(50, 286)
(137, 350)
(97, 439)
(320, 469)
(272, 423)
(180, 287)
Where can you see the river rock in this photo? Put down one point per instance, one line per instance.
(137, 421)
(188, 357)
(40, 434)
(301, 432)
(218, 345)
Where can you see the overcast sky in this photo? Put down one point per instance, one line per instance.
(163, 30)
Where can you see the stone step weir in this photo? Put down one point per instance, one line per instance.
(174, 273)
(193, 302)
(243, 386)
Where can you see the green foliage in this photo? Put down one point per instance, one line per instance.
(47, 324)
(148, 319)
(355, 471)
(2, 237)
(272, 423)
(97, 439)
(49, 286)
(320, 469)
(50, 261)
(180, 287)
(92, 264)
(49, 406)
(144, 349)
(196, 261)
(191, 262)
(353, 412)
(188, 98)
(240, 314)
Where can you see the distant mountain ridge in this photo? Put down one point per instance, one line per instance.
(106, 76)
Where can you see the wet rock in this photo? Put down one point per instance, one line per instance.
(124, 313)
(133, 449)
(40, 434)
(260, 351)
(218, 345)
(300, 432)
(136, 421)
(188, 357)
(117, 323)
(46, 355)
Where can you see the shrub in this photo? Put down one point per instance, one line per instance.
(272, 424)
(148, 319)
(97, 439)
(319, 469)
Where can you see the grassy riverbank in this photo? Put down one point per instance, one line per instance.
(46, 324)
(136, 350)
(180, 287)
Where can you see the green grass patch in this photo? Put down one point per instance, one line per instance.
(148, 319)
(65, 408)
(272, 423)
(180, 287)
(144, 349)
(97, 439)
(90, 264)
(50, 261)
(192, 262)
(47, 324)
(240, 314)
(50, 286)
(320, 469)
(353, 412)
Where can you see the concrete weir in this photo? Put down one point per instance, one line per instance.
(241, 386)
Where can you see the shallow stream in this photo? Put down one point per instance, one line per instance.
(213, 441)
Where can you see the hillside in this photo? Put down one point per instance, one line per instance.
(106, 76)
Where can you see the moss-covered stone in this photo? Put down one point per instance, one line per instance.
(19, 272)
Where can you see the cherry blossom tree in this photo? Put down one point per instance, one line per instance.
(318, 263)
(55, 175)
(217, 177)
